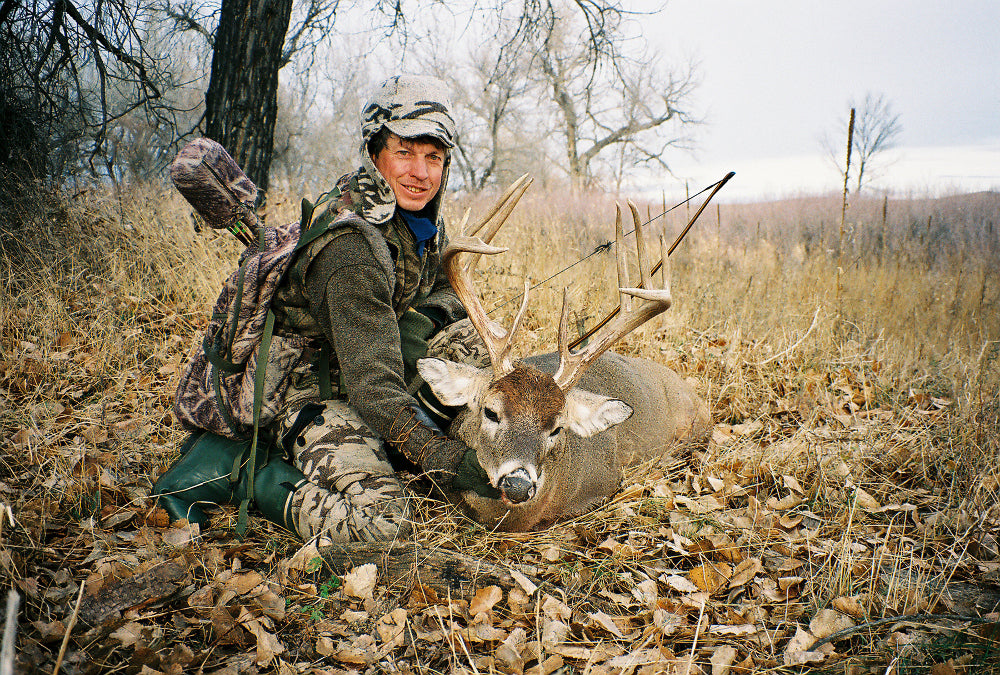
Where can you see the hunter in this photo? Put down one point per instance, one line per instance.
(364, 295)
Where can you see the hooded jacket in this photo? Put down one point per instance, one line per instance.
(353, 283)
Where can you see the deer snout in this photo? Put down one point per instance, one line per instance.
(517, 486)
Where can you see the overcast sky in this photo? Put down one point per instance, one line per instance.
(777, 74)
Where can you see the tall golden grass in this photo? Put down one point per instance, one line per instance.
(920, 288)
(102, 296)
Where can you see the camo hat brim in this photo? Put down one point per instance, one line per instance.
(410, 106)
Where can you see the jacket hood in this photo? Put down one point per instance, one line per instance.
(409, 106)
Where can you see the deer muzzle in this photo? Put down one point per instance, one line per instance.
(517, 486)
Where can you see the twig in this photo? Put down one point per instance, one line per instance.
(792, 348)
(697, 630)
(9, 633)
(905, 618)
(69, 630)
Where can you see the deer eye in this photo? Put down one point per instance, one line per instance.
(491, 415)
(555, 432)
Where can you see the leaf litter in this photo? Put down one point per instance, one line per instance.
(821, 530)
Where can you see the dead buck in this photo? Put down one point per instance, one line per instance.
(553, 448)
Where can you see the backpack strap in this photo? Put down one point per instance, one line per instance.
(217, 345)
(258, 402)
(310, 230)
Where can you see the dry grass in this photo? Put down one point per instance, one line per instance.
(853, 467)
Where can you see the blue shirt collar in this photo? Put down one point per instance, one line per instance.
(423, 229)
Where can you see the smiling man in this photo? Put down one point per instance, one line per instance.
(371, 286)
(362, 295)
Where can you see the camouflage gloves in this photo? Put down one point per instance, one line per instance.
(451, 463)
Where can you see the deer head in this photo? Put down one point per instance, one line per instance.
(517, 417)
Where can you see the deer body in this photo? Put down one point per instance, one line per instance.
(580, 468)
(554, 431)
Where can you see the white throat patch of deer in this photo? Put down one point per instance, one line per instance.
(554, 431)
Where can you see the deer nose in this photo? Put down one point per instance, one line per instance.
(517, 486)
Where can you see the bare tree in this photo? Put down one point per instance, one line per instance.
(617, 104)
(68, 74)
(252, 42)
(241, 104)
(316, 136)
(876, 130)
(233, 112)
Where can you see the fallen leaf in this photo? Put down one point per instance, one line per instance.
(524, 582)
(738, 629)
(551, 553)
(202, 600)
(484, 599)
(52, 631)
(421, 596)
(829, 621)
(360, 581)
(306, 559)
(786, 583)
(325, 646)
(271, 604)
(796, 651)
(722, 659)
(553, 632)
(946, 668)
(484, 632)
(607, 623)
(182, 535)
(554, 609)
(790, 521)
(645, 592)
(244, 582)
(703, 504)
(850, 606)
(268, 645)
(679, 583)
(517, 600)
(789, 501)
(710, 577)
(509, 651)
(865, 500)
(745, 572)
(392, 627)
(792, 484)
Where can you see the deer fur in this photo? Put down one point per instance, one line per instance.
(623, 412)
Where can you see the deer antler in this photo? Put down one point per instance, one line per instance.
(498, 341)
(653, 302)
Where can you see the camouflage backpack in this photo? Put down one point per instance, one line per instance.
(218, 390)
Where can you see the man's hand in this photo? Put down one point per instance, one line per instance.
(451, 463)
(470, 476)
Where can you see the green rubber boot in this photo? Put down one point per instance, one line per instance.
(200, 477)
(273, 487)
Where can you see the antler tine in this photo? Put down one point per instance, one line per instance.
(624, 300)
(465, 222)
(498, 341)
(640, 247)
(499, 213)
(521, 184)
(654, 301)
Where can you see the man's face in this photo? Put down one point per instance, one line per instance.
(413, 170)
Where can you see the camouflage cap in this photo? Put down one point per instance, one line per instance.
(410, 106)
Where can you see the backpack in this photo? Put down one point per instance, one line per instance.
(224, 388)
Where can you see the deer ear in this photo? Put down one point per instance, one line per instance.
(588, 414)
(452, 383)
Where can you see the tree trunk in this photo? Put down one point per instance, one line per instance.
(241, 104)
